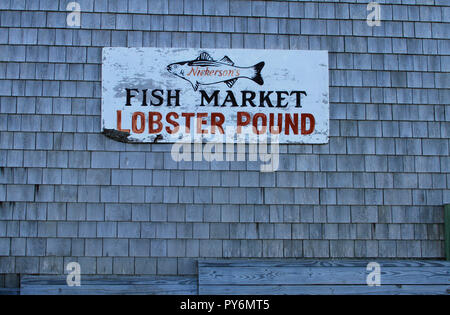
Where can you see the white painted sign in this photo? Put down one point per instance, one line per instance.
(168, 94)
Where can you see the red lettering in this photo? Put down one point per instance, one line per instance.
(255, 123)
(275, 130)
(152, 122)
(218, 123)
(192, 71)
(119, 122)
(240, 122)
(174, 123)
(188, 117)
(312, 123)
(201, 122)
(141, 115)
(291, 124)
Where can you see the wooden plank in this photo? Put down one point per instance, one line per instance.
(447, 231)
(282, 275)
(321, 289)
(9, 291)
(54, 285)
(107, 279)
(109, 290)
(321, 263)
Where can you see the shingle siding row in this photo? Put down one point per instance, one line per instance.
(68, 193)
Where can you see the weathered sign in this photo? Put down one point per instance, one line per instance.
(168, 94)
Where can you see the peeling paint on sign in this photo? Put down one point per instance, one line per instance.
(166, 94)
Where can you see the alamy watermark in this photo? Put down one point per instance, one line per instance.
(374, 17)
(74, 17)
(230, 145)
(374, 277)
(74, 277)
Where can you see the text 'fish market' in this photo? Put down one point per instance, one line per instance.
(158, 97)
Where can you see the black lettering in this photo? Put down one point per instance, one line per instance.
(297, 97)
(230, 98)
(249, 99)
(158, 97)
(281, 98)
(144, 97)
(129, 96)
(264, 98)
(205, 97)
(176, 97)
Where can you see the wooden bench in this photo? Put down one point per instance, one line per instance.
(228, 277)
(105, 285)
(258, 277)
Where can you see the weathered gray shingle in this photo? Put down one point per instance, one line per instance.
(385, 163)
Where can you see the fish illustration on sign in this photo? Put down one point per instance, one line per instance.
(206, 71)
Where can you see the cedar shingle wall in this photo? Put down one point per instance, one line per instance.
(68, 193)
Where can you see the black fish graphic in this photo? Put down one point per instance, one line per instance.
(206, 71)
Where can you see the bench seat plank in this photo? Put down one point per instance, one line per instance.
(107, 279)
(323, 289)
